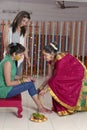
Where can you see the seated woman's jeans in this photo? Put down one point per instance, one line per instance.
(21, 88)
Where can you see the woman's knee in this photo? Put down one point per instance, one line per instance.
(32, 89)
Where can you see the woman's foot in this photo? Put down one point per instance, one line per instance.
(44, 110)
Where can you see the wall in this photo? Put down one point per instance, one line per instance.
(45, 12)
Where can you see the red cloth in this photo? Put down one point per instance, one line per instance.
(66, 81)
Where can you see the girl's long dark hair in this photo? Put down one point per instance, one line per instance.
(17, 20)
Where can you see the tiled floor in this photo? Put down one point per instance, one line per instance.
(9, 121)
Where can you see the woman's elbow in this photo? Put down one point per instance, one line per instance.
(8, 83)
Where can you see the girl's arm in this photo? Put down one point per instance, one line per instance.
(6, 35)
(7, 75)
(26, 51)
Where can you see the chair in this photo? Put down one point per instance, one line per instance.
(13, 102)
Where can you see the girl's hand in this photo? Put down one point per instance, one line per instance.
(28, 79)
(32, 79)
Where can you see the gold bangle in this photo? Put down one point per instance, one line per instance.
(19, 81)
(45, 90)
(41, 87)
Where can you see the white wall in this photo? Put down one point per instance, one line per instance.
(43, 12)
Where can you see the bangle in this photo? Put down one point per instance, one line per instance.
(45, 90)
(21, 80)
(41, 87)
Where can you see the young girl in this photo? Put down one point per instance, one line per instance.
(17, 33)
(10, 85)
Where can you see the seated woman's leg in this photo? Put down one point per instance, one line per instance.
(32, 91)
(21, 88)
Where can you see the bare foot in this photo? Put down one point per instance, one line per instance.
(44, 110)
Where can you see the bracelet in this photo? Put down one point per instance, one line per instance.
(41, 87)
(45, 90)
(21, 80)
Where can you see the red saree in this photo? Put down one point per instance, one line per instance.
(65, 84)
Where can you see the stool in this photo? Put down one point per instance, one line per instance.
(13, 102)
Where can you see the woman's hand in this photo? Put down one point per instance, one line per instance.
(41, 93)
(32, 79)
(28, 79)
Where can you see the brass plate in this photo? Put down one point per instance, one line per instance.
(38, 120)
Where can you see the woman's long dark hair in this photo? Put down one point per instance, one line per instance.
(15, 48)
(17, 20)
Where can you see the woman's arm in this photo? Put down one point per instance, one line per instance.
(6, 34)
(17, 77)
(7, 75)
(26, 51)
(43, 85)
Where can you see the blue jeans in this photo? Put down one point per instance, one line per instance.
(21, 88)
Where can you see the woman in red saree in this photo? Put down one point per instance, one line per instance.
(65, 81)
